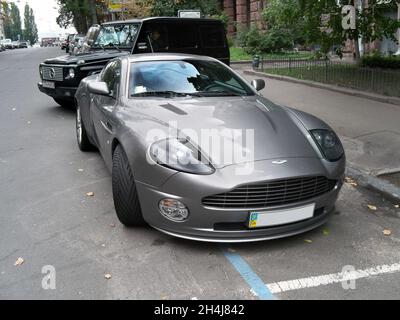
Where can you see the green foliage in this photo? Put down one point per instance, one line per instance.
(5, 8)
(30, 32)
(284, 16)
(171, 7)
(379, 61)
(372, 23)
(80, 13)
(275, 39)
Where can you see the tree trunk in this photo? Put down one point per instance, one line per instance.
(93, 12)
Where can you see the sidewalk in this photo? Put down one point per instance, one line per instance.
(370, 130)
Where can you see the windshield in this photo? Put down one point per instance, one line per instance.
(188, 77)
(117, 36)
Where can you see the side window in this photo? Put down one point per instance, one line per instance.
(212, 37)
(153, 37)
(111, 75)
(183, 36)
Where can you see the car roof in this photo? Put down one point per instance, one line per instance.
(162, 19)
(145, 57)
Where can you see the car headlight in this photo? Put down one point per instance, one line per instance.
(329, 144)
(41, 70)
(180, 155)
(71, 73)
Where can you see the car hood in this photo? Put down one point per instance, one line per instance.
(263, 130)
(90, 57)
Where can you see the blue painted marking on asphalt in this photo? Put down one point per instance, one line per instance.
(247, 273)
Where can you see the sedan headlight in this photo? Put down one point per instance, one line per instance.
(180, 155)
(329, 144)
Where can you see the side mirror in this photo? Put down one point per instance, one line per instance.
(99, 88)
(258, 84)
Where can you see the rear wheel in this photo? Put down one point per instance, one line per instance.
(126, 199)
(65, 103)
(81, 134)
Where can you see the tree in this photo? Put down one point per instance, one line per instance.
(171, 7)
(7, 19)
(30, 32)
(15, 17)
(323, 23)
(80, 13)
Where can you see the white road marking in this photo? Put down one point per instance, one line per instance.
(312, 282)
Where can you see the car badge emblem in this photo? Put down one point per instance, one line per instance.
(52, 73)
(280, 162)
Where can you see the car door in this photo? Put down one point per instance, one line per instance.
(102, 108)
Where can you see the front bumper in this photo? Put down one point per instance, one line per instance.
(231, 225)
(66, 93)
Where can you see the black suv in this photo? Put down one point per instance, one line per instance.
(61, 76)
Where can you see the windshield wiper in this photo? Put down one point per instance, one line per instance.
(161, 93)
(115, 46)
(217, 94)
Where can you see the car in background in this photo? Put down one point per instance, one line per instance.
(23, 45)
(15, 45)
(60, 77)
(152, 116)
(7, 43)
(68, 41)
(2, 47)
(76, 44)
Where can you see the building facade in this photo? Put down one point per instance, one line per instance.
(243, 12)
(2, 36)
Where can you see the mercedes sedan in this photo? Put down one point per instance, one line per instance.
(198, 153)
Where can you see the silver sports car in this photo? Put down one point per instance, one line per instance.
(197, 153)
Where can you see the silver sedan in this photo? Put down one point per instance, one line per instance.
(196, 152)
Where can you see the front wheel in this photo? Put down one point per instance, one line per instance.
(81, 134)
(126, 199)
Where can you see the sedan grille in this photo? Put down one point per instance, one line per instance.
(271, 193)
(53, 73)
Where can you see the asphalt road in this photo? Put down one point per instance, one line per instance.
(47, 219)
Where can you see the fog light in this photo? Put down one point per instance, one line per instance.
(173, 210)
(72, 73)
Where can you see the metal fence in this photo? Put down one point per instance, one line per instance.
(381, 81)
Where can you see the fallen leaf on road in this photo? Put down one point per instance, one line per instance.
(397, 206)
(232, 250)
(387, 232)
(351, 182)
(308, 241)
(112, 225)
(372, 208)
(19, 262)
(107, 276)
(81, 170)
(14, 109)
(326, 232)
(103, 245)
(90, 194)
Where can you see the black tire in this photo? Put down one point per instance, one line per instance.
(65, 103)
(126, 199)
(81, 134)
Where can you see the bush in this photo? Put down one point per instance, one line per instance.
(273, 40)
(379, 61)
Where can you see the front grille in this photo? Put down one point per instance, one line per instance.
(53, 73)
(271, 193)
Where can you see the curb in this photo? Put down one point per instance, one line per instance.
(386, 189)
(351, 92)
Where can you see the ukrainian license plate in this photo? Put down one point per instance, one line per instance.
(49, 85)
(280, 217)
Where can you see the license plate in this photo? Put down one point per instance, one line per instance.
(280, 217)
(49, 84)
